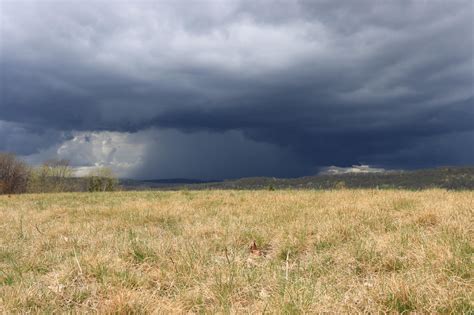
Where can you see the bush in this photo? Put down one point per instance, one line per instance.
(14, 174)
(52, 176)
(102, 179)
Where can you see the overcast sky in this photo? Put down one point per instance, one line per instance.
(221, 89)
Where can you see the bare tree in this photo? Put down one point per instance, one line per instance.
(14, 174)
(58, 168)
(51, 176)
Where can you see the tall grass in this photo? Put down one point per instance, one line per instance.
(174, 252)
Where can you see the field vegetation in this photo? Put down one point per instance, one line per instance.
(282, 251)
(54, 175)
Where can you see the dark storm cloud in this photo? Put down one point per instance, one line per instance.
(327, 82)
(26, 139)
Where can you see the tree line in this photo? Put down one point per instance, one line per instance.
(55, 175)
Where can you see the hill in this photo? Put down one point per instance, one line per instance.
(444, 177)
(453, 178)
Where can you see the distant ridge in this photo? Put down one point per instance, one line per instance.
(442, 177)
(162, 183)
(179, 181)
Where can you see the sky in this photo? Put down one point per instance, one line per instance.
(237, 88)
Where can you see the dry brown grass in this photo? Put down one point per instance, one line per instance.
(175, 252)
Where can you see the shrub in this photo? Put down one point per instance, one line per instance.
(14, 174)
(102, 179)
(52, 176)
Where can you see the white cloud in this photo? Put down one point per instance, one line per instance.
(122, 152)
(357, 169)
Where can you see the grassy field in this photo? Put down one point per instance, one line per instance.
(186, 251)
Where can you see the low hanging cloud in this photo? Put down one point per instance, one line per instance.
(302, 84)
(355, 169)
(86, 151)
(154, 154)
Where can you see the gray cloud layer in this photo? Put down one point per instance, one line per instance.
(318, 83)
